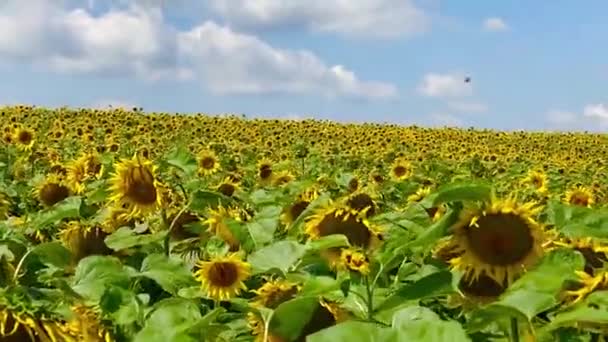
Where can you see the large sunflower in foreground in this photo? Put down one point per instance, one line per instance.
(223, 277)
(134, 185)
(501, 240)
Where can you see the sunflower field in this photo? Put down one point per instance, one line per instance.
(120, 225)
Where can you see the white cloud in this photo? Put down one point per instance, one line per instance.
(240, 63)
(560, 117)
(137, 40)
(445, 85)
(468, 107)
(597, 111)
(361, 18)
(495, 24)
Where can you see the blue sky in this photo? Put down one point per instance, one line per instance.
(535, 65)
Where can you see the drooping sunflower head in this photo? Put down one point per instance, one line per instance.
(336, 218)
(275, 292)
(401, 169)
(480, 291)
(501, 240)
(134, 184)
(594, 251)
(419, 195)
(580, 196)
(84, 240)
(208, 163)
(223, 277)
(363, 201)
(180, 224)
(264, 167)
(282, 178)
(52, 190)
(217, 222)
(87, 325)
(115, 218)
(18, 326)
(586, 285)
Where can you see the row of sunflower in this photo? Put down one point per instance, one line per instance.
(119, 225)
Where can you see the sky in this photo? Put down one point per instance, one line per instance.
(533, 65)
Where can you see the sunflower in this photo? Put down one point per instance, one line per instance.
(275, 292)
(52, 190)
(401, 169)
(264, 167)
(587, 284)
(594, 251)
(294, 210)
(217, 224)
(134, 184)
(86, 324)
(580, 196)
(282, 178)
(24, 137)
(180, 231)
(208, 162)
(115, 218)
(501, 239)
(84, 240)
(363, 202)
(539, 180)
(228, 187)
(419, 195)
(222, 277)
(76, 175)
(22, 327)
(481, 291)
(335, 218)
(355, 260)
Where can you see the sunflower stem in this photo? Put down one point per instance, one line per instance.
(370, 299)
(514, 330)
(16, 274)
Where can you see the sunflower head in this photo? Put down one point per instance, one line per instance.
(419, 195)
(580, 196)
(480, 291)
(179, 230)
(355, 260)
(52, 190)
(87, 325)
(134, 185)
(217, 224)
(401, 169)
(17, 326)
(208, 163)
(282, 178)
(538, 180)
(275, 292)
(24, 137)
(501, 240)
(84, 240)
(223, 277)
(363, 202)
(297, 207)
(335, 218)
(264, 167)
(594, 251)
(586, 285)
(228, 187)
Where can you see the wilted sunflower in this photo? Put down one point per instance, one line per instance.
(580, 196)
(24, 137)
(52, 190)
(401, 169)
(84, 240)
(134, 184)
(501, 239)
(222, 277)
(208, 162)
(294, 210)
(217, 224)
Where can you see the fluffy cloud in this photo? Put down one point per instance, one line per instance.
(597, 111)
(137, 40)
(468, 107)
(445, 85)
(495, 24)
(367, 18)
(594, 117)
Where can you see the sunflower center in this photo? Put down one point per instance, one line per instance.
(226, 189)
(208, 163)
(223, 274)
(355, 231)
(593, 259)
(399, 171)
(361, 201)
(141, 186)
(25, 137)
(298, 208)
(500, 239)
(53, 193)
(483, 286)
(265, 173)
(579, 198)
(537, 181)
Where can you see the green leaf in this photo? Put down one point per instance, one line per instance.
(126, 237)
(291, 317)
(122, 305)
(95, 273)
(182, 159)
(171, 320)
(535, 291)
(264, 224)
(52, 253)
(203, 199)
(466, 191)
(328, 241)
(438, 230)
(432, 285)
(280, 255)
(353, 331)
(318, 285)
(170, 273)
(421, 324)
(68, 208)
